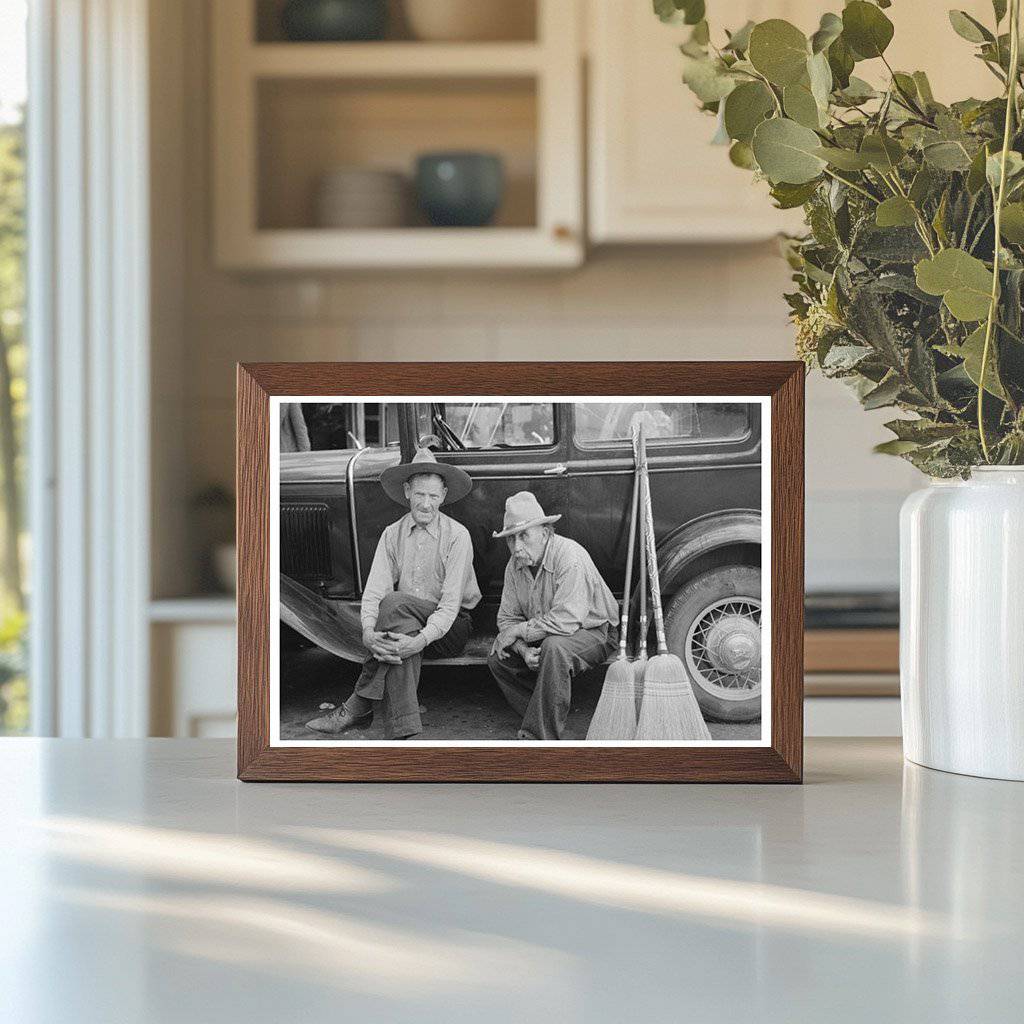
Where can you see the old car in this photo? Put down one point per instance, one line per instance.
(705, 474)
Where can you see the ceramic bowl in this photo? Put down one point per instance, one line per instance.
(359, 197)
(332, 21)
(470, 20)
(460, 189)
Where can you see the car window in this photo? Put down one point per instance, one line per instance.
(349, 425)
(480, 426)
(600, 423)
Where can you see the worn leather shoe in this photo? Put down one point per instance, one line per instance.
(340, 721)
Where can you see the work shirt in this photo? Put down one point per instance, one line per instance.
(566, 595)
(432, 562)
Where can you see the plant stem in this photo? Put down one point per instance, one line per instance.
(853, 185)
(1011, 107)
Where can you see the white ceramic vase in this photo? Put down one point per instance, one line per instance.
(962, 624)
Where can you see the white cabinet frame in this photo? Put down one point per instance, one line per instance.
(553, 62)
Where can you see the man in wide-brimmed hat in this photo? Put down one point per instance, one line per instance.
(557, 619)
(417, 597)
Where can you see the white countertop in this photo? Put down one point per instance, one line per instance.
(140, 882)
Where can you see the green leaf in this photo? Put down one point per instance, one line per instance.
(665, 10)
(963, 281)
(844, 159)
(885, 394)
(739, 41)
(707, 78)
(779, 51)
(895, 212)
(701, 34)
(1011, 226)
(971, 351)
(947, 156)
(741, 155)
(883, 152)
(788, 196)
(895, 447)
(745, 108)
(923, 431)
(969, 28)
(924, 88)
(866, 29)
(922, 185)
(829, 29)
(999, 9)
(939, 220)
(689, 12)
(857, 91)
(840, 61)
(819, 74)
(786, 151)
(801, 106)
(993, 166)
(976, 173)
(905, 84)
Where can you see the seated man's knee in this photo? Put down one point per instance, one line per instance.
(554, 648)
(390, 604)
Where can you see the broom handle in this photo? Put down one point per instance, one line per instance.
(641, 646)
(652, 551)
(624, 628)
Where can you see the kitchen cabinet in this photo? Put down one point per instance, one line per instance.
(286, 114)
(654, 177)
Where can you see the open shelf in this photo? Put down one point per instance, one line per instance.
(286, 114)
(309, 127)
(519, 25)
(387, 60)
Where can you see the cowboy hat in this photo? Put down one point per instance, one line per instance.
(393, 480)
(523, 510)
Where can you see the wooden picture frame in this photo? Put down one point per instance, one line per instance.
(780, 759)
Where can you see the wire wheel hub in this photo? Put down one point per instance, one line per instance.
(723, 647)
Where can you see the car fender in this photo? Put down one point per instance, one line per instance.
(685, 545)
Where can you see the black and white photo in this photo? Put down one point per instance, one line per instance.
(467, 571)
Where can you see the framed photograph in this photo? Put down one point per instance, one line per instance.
(564, 572)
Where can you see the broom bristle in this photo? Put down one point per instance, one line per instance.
(639, 670)
(615, 714)
(669, 710)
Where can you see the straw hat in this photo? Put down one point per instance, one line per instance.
(393, 480)
(523, 510)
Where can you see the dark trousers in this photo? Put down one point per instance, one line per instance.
(396, 685)
(543, 697)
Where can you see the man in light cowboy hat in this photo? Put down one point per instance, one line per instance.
(557, 619)
(417, 598)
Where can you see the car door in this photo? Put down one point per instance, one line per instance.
(688, 444)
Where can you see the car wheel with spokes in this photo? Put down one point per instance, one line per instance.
(713, 623)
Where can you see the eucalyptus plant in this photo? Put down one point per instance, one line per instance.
(902, 289)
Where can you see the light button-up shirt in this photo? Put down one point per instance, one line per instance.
(567, 593)
(433, 562)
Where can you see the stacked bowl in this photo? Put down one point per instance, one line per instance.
(362, 197)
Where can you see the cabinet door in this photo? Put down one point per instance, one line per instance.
(654, 177)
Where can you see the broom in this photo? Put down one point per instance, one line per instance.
(640, 661)
(669, 710)
(616, 711)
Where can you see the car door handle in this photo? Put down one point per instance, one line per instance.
(556, 470)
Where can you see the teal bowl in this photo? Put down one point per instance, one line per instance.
(461, 190)
(334, 21)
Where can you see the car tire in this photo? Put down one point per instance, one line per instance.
(713, 623)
